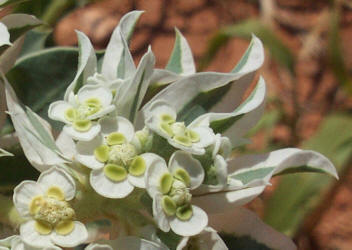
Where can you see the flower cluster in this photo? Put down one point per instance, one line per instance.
(148, 149)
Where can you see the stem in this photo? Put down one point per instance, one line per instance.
(54, 11)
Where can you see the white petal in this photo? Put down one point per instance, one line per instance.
(7, 242)
(23, 195)
(193, 149)
(206, 136)
(224, 201)
(85, 152)
(66, 145)
(58, 177)
(247, 223)
(32, 238)
(83, 136)
(159, 214)
(156, 167)
(57, 110)
(184, 160)
(118, 124)
(106, 110)
(193, 226)
(107, 188)
(92, 91)
(139, 181)
(76, 237)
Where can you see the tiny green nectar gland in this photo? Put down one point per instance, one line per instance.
(79, 116)
(176, 196)
(52, 212)
(178, 131)
(120, 158)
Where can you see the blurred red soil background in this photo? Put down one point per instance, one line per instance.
(301, 25)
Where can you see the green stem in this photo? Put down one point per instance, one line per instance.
(54, 11)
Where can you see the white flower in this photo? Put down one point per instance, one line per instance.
(126, 243)
(170, 189)
(80, 111)
(117, 165)
(50, 217)
(161, 118)
(15, 243)
(100, 79)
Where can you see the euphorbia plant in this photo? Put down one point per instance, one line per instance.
(159, 169)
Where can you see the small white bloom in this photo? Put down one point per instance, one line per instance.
(81, 111)
(50, 218)
(117, 165)
(15, 243)
(161, 118)
(101, 80)
(170, 189)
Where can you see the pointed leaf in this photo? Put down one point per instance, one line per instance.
(132, 94)
(29, 131)
(87, 64)
(181, 60)
(255, 170)
(235, 124)
(196, 94)
(248, 231)
(118, 62)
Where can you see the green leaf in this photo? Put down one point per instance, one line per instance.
(42, 77)
(34, 41)
(242, 242)
(181, 60)
(297, 195)
(252, 174)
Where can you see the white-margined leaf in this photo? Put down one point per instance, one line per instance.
(4, 35)
(4, 3)
(235, 124)
(3, 153)
(256, 170)
(247, 226)
(132, 92)
(181, 60)
(87, 64)
(118, 62)
(196, 94)
(33, 132)
(18, 24)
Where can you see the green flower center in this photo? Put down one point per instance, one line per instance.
(52, 212)
(120, 158)
(176, 196)
(79, 116)
(178, 131)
